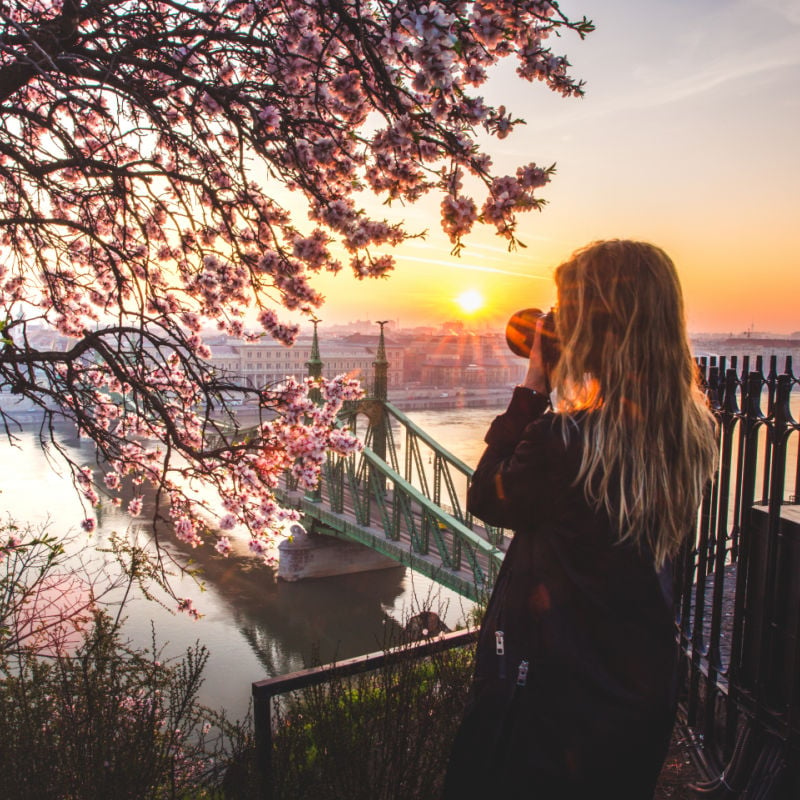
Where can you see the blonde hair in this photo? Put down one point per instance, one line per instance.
(649, 438)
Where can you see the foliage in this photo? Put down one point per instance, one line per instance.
(82, 715)
(145, 153)
(108, 721)
(372, 737)
(48, 598)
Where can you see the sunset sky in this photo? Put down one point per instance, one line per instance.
(689, 137)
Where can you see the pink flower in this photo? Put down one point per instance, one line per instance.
(135, 506)
(223, 546)
(228, 522)
(270, 118)
(186, 605)
(258, 546)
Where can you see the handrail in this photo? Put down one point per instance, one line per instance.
(739, 587)
(431, 442)
(264, 691)
(437, 511)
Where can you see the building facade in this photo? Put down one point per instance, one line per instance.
(268, 363)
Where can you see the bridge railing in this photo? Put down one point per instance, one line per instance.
(429, 467)
(411, 508)
(739, 585)
(393, 516)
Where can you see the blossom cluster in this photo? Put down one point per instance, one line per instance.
(139, 150)
(11, 544)
(301, 429)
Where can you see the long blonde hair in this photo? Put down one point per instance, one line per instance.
(648, 435)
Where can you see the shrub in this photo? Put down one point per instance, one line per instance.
(376, 736)
(108, 722)
(84, 716)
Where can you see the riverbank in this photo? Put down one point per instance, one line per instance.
(428, 398)
(432, 398)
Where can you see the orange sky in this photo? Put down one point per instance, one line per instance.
(687, 137)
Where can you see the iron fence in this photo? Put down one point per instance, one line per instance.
(266, 691)
(738, 593)
(738, 584)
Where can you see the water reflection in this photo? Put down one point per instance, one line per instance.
(289, 624)
(254, 625)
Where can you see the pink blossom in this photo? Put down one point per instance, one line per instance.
(187, 606)
(223, 545)
(228, 522)
(11, 544)
(135, 506)
(269, 118)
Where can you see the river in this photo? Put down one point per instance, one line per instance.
(253, 625)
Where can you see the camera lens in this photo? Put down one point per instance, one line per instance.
(520, 330)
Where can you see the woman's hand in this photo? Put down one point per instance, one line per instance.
(536, 377)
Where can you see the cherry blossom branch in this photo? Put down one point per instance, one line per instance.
(145, 149)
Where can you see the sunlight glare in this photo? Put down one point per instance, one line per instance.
(470, 301)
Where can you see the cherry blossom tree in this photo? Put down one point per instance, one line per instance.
(145, 149)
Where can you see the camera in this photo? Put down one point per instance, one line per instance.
(521, 328)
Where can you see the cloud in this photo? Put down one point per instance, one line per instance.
(717, 55)
(770, 58)
(473, 267)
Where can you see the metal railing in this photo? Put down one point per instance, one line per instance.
(404, 496)
(424, 463)
(739, 589)
(264, 692)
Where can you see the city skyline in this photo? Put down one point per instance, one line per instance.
(686, 137)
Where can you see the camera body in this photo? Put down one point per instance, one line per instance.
(521, 329)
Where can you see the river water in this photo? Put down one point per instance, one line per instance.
(253, 625)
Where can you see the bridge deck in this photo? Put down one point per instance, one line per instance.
(414, 541)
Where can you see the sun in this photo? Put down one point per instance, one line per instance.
(470, 301)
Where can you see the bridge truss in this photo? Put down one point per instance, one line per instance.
(403, 495)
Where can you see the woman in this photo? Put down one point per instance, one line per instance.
(575, 681)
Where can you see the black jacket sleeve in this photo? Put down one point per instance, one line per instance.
(521, 467)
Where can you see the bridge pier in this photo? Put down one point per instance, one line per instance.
(315, 555)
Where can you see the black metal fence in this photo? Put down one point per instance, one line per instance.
(265, 691)
(738, 599)
(739, 589)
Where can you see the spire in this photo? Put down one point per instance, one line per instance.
(380, 393)
(314, 367)
(381, 365)
(314, 363)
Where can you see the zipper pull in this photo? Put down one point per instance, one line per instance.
(522, 673)
(500, 648)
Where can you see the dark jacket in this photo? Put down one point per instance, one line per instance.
(579, 697)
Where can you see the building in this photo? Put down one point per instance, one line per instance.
(268, 363)
(461, 359)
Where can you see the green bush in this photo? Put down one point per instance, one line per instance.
(89, 718)
(82, 715)
(377, 736)
(109, 722)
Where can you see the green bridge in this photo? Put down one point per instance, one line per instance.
(402, 495)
